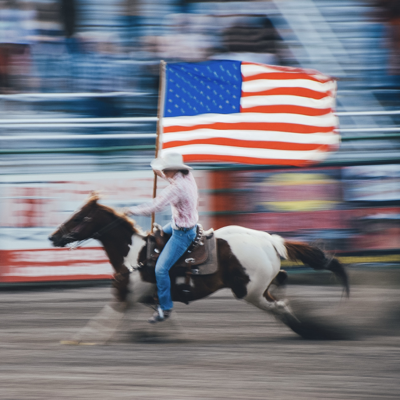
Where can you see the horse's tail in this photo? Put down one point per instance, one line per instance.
(316, 259)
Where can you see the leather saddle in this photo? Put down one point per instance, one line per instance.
(199, 259)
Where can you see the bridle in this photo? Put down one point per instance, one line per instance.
(96, 235)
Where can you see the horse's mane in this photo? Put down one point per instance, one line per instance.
(93, 200)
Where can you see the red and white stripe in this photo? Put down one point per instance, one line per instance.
(286, 117)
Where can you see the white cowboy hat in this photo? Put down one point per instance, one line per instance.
(169, 161)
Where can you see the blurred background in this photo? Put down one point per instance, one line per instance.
(79, 83)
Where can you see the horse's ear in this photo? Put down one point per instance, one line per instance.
(94, 196)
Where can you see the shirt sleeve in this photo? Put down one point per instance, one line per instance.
(168, 195)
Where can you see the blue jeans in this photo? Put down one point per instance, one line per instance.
(173, 250)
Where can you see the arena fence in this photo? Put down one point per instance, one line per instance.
(350, 205)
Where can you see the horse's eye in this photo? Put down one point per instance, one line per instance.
(76, 219)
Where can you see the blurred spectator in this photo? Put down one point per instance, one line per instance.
(131, 24)
(250, 38)
(6, 42)
(22, 64)
(188, 40)
(389, 12)
(48, 21)
(98, 64)
(99, 69)
(49, 55)
(68, 15)
(148, 68)
(252, 34)
(183, 6)
(14, 44)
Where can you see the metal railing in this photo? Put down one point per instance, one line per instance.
(384, 133)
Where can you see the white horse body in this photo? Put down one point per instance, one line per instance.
(258, 252)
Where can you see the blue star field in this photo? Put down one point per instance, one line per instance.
(200, 88)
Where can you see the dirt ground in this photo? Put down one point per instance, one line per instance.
(217, 348)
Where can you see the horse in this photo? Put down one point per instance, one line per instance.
(249, 263)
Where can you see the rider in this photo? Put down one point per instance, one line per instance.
(182, 194)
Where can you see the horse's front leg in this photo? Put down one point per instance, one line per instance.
(101, 328)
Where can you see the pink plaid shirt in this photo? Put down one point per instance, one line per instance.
(183, 196)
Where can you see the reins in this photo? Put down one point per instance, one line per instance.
(97, 234)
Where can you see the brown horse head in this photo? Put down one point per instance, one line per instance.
(91, 221)
(112, 228)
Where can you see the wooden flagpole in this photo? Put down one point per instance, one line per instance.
(160, 110)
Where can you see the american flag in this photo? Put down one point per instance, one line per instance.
(241, 112)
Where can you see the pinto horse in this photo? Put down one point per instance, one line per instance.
(249, 261)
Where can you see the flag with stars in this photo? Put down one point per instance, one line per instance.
(240, 112)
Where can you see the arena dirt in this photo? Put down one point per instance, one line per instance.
(217, 348)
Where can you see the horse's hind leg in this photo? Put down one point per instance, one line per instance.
(278, 308)
(269, 296)
(268, 303)
(278, 281)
